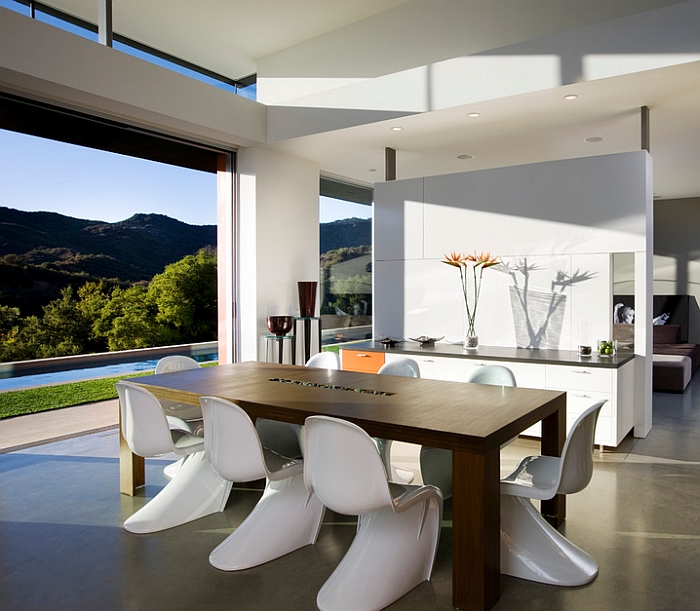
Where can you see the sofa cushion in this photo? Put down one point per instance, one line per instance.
(667, 334)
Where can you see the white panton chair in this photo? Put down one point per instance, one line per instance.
(176, 362)
(495, 375)
(180, 415)
(531, 548)
(398, 526)
(436, 463)
(196, 489)
(326, 360)
(285, 518)
(406, 368)
(284, 437)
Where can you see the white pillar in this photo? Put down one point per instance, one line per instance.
(278, 239)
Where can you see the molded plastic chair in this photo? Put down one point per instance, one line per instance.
(496, 375)
(284, 437)
(407, 368)
(177, 362)
(326, 360)
(180, 415)
(196, 489)
(285, 518)
(530, 547)
(398, 526)
(436, 463)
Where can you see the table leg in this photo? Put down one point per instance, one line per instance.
(553, 437)
(132, 469)
(476, 552)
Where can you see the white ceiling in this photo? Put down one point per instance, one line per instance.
(229, 36)
(531, 128)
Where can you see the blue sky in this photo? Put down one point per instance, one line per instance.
(40, 174)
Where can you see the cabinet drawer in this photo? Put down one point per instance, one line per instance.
(576, 404)
(356, 360)
(571, 377)
(578, 401)
(526, 374)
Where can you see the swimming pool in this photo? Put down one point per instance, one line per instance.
(89, 373)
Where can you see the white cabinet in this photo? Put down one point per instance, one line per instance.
(587, 385)
(584, 385)
(527, 375)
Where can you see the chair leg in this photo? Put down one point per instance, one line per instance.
(532, 549)
(387, 559)
(195, 491)
(284, 519)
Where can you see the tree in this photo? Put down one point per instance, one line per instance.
(352, 294)
(63, 330)
(10, 322)
(128, 320)
(185, 294)
(179, 306)
(92, 299)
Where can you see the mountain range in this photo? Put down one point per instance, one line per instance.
(41, 252)
(346, 233)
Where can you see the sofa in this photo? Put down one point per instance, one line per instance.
(675, 363)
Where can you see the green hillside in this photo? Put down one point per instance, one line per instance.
(42, 252)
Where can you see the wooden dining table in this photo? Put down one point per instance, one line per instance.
(472, 420)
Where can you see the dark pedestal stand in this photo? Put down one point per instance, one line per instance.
(308, 330)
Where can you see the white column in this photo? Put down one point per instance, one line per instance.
(225, 260)
(278, 240)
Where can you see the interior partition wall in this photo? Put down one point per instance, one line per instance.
(554, 225)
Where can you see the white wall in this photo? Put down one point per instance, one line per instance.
(562, 219)
(279, 240)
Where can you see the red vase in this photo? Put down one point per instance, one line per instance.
(307, 298)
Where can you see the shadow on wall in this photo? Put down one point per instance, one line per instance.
(538, 315)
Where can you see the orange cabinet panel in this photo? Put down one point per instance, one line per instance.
(367, 362)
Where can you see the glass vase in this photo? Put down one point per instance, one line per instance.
(471, 341)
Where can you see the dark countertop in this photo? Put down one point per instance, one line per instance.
(496, 353)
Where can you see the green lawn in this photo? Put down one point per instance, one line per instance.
(43, 398)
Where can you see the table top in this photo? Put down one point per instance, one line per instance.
(469, 417)
(409, 347)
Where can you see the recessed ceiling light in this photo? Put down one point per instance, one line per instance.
(396, 129)
(373, 169)
(571, 96)
(465, 156)
(474, 115)
(593, 139)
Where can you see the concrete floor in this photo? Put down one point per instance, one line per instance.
(62, 547)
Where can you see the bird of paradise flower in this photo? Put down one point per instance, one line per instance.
(464, 262)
